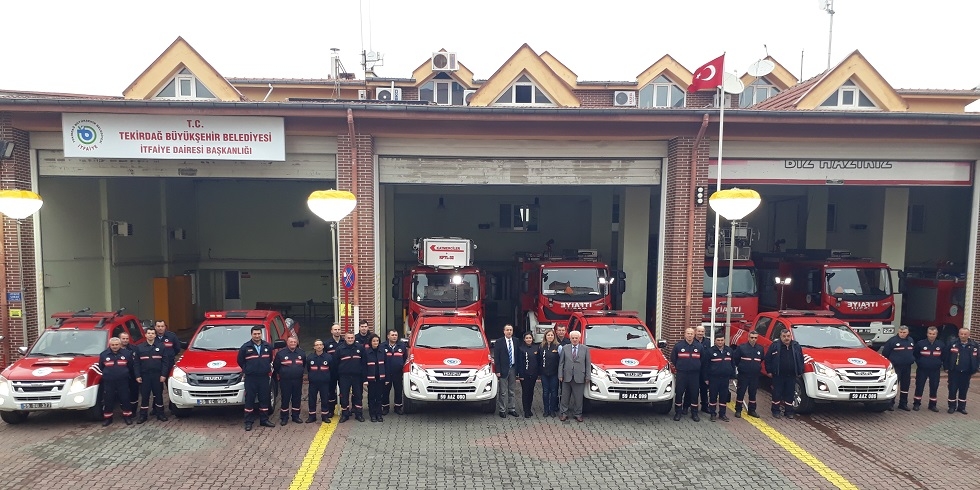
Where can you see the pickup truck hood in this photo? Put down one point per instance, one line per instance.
(449, 358)
(859, 357)
(49, 368)
(627, 358)
(201, 361)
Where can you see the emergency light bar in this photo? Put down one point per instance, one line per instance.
(633, 314)
(823, 313)
(236, 314)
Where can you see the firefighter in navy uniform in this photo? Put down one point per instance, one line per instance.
(330, 347)
(719, 370)
(784, 363)
(116, 365)
(363, 334)
(961, 363)
(703, 381)
(395, 354)
(288, 367)
(748, 364)
(150, 369)
(318, 373)
(900, 350)
(255, 360)
(171, 345)
(134, 386)
(350, 373)
(375, 376)
(929, 359)
(687, 360)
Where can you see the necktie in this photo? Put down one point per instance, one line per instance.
(510, 351)
(575, 353)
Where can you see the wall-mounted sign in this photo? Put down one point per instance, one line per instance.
(174, 137)
(842, 172)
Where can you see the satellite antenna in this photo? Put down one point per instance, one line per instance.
(731, 84)
(828, 6)
(761, 68)
(370, 59)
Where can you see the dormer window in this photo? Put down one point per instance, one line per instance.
(661, 93)
(758, 91)
(443, 90)
(185, 86)
(848, 96)
(523, 92)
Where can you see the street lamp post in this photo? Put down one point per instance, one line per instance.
(16, 204)
(332, 206)
(733, 205)
(782, 282)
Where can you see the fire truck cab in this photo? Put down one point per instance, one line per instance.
(856, 290)
(934, 298)
(627, 363)
(735, 267)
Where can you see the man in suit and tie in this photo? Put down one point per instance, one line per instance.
(574, 363)
(504, 350)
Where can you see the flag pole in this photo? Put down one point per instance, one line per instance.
(714, 263)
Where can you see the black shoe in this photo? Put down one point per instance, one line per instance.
(108, 422)
(161, 417)
(380, 418)
(724, 418)
(283, 421)
(374, 419)
(712, 418)
(684, 411)
(128, 420)
(916, 407)
(310, 419)
(513, 413)
(385, 411)
(267, 423)
(753, 413)
(694, 416)
(962, 410)
(933, 409)
(343, 418)
(705, 409)
(359, 417)
(503, 415)
(296, 420)
(325, 419)
(677, 416)
(903, 407)
(951, 410)
(141, 419)
(248, 426)
(738, 414)
(790, 416)
(399, 411)
(527, 415)
(776, 415)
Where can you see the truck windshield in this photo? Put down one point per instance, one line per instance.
(450, 337)
(223, 337)
(68, 342)
(827, 336)
(618, 337)
(743, 281)
(437, 289)
(571, 283)
(859, 281)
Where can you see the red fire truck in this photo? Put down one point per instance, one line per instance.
(857, 290)
(742, 275)
(444, 280)
(551, 287)
(934, 298)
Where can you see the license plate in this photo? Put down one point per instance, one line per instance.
(864, 373)
(862, 330)
(864, 396)
(452, 373)
(634, 396)
(451, 396)
(34, 406)
(631, 374)
(212, 401)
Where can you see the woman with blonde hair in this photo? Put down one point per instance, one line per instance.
(549, 373)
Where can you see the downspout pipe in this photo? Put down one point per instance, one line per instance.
(690, 223)
(353, 190)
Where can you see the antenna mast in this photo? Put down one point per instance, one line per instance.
(828, 6)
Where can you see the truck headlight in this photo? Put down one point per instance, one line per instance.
(179, 375)
(78, 384)
(4, 386)
(822, 370)
(418, 371)
(654, 376)
(484, 372)
(890, 371)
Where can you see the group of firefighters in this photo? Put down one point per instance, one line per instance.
(355, 362)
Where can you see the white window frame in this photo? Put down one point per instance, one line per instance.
(855, 100)
(534, 95)
(178, 95)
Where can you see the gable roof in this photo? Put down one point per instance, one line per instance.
(560, 69)
(424, 72)
(525, 60)
(780, 77)
(669, 66)
(177, 56)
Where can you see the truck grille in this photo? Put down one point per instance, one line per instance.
(53, 386)
(451, 389)
(632, 389)
(631, 376)
(862, 389)
(214, 379)
(214, 394)
(862, 375)
(452, 375)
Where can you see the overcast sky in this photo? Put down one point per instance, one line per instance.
(100, 46)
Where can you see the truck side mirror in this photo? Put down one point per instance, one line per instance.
(279, 344)
(492, 290)
(621, 281)
(183, 345)
(662, 344)
(901, 280)
(22, 350)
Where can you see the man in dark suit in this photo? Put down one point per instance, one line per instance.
(574, 363)
(504, 350)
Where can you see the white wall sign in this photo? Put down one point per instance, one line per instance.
(174, 137)
(843, 172)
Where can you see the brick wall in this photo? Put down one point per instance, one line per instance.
(975, 294)
(410, 93)
(364, 264)
(706, 98)
(594, 98)
(15, 173)
(677, 233)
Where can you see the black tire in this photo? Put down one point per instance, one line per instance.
(877, 407)
(801, 402)
(14, 417)
(94, 413)
(663, 408)
(409, 405)
(273, 393)
(180, 413)
(490, 405)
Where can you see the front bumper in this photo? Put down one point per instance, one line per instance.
(50, 400)
(184, 395)
(426, 388)
(834, 389)
(601, 388)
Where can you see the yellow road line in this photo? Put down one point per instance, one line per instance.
(799, 453)
(307, 469)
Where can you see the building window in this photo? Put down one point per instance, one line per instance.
(848, 96)
(523, 92)
(757, 91)
(917, 218)
(442, 89)
(518, 217)
(185, 86)
(661, 92)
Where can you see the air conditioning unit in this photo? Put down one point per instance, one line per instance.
(728, 101)
(467, 95)
(443, 61)
(388, 93)
(122, 228)
(362, 94)
(624, 98)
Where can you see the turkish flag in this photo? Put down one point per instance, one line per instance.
(709, 76)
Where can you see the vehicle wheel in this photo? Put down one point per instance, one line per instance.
(14, 417)
(409, 405)
(586, 405)
(663, 408)
(94, 413)
(180, 413)
(490, 405)
(877, 407)
(273, 393)
(801, 402)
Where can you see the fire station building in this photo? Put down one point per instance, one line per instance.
(188, 193)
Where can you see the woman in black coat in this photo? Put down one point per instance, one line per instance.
(527, 362)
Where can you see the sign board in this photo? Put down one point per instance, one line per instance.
(346, 309)
(14, 297)
(15, 313)
(446, 252)
(842, 172)
(349, 277)
(192, 137)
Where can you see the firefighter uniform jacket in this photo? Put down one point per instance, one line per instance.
(720, 363)
(255, 360)
(962, 357)
(688, 357)
(395, 356)
(331, 348)
(549, 359)
(171, 344)
(349, 360)
(374, 364)
(318, 367)
(362, 340)
(901, 352)
(748, 359)
(929, 355)
(773, 361)
(116, 366)
(151, 359)
(289, 364)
